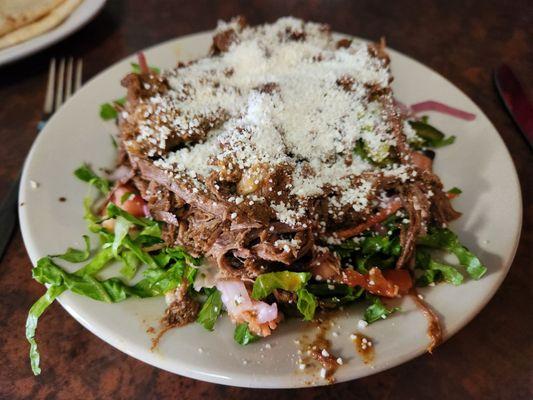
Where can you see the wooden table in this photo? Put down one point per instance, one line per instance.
(461, 39)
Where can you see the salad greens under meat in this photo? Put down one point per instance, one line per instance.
(237, 231)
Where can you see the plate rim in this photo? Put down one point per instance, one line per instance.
(253, 381)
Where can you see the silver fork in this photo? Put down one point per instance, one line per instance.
(61, 85)
(59, 88)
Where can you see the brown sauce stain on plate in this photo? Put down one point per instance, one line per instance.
(318, 350)
(364, 346)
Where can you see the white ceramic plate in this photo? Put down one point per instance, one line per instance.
(82, 15)
(478, 163)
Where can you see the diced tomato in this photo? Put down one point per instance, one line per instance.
(133, 204)
(400, 278)
(374, 282)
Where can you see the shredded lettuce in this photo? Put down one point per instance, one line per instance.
(40, 306)
(265, 284)
(445, 239)
(75, 255)
(36, 310)
(130, 264)
(114, 211)
(243, 336)
(306, 304)
(211, 309)
(97, 263)
(435, 271)
(122, 227)
(334, 294)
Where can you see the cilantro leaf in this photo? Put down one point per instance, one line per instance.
(86, 174)
(455, 190)
(108, 111)
(377, 310)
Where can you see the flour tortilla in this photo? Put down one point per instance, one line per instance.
(40, 26)
(17, 13)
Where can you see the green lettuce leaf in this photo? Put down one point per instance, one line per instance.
(122, 227)
(39, 307)
(143, 256)
(75, 255)
(243, 336)
(435, 271)
(130, 264)
(211, 309)
(334, 294)
(114, 211)
(445, 239)
(36, 310)
(286, 280)
(306, 304)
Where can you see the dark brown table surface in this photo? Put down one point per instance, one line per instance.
(463, 40)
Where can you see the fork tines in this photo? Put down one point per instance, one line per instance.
(63, 84)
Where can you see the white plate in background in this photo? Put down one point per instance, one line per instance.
(81, 16)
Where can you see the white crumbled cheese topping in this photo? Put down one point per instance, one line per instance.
(362, 324)
(268, 100)
(323, 373)
(340, 361)
(325, 353)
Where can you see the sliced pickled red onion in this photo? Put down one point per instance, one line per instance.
(432, 105)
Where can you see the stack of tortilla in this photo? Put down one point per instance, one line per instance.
(21, 20)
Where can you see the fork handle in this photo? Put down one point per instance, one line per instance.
(8, 215)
